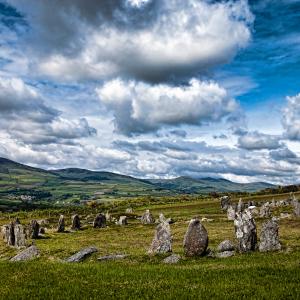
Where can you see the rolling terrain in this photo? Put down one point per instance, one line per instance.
(22, 185)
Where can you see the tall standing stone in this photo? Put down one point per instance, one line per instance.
(162, 241)
(20, 236)
(147, 217)
(196, 239)
(240, 206)
(230, 213)
(61, 224)
(34, 229)
(123, 221)
(296, 205)
(75, 223)
(269, 237)
(225, 202)
(8, 234)
(245, 230)
(99, 221)
(265, 210)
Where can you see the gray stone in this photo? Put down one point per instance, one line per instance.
(285, 215)
(225, 202)
(112, 257)
(245, 230)
(123, 221)
(230, 213)
(161, 218)
(226, 246)
(8, 234)
(172, 259)
(61, 224)
(20, 236)
(225, 254)
(75, 223)
(162, 241)
(99, 221)
(34, 229)
(82, 254)
(240, 206)
(42, 230)
(265, 210)
(269, 237)
(28, 254)
(296, 205)
(147, 218)
(196, 239)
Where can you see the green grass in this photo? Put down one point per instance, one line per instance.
(256, 276)
(251, 276)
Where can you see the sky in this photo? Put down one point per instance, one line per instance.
(153, 88)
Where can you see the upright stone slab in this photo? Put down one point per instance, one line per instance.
(225, 202)
(75, 222)
(8, 234)
(296, 205)
(61, 224)
(230, 213)
(34, 229)
(265, 210)
(162, 241)
(122, 221)
(20, 236)
(100, 221)
(245, 230)
(240, 206)
(161, 218)
(196, 239)
(147, 217)
(269, 237)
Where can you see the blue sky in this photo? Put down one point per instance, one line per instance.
(153, 88)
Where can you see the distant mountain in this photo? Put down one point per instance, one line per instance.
(74, 184)
(206, 185)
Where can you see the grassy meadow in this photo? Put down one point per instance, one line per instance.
(139, 276)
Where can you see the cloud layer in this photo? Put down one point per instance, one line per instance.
(140, 107)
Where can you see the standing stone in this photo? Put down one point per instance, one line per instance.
(296, 205)
(269, 237)
(75, 223)
(161, 218)
(196, 239)
(100, 221)
(34, 229)
(240, 206)
(162, 242)
(225, 202)
(273, 203)
(265, 210)
(147, 218)
(230, 213)
(8, 234)
(20, 236)
(108, 217)
(245, 230)
(123, 221)
(61, 224)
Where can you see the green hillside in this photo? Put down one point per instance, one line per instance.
(24, 186)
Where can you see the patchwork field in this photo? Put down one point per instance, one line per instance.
(256, 275)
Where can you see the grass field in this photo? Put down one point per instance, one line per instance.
(249, 276)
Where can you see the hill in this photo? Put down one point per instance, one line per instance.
(24, 184)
